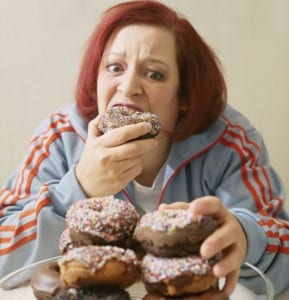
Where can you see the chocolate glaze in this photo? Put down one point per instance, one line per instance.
(210, 295)
(93, 293)
(182, 241)
(79, 239)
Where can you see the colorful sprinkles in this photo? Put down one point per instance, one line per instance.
(156, 269)
(95, 257)
(65, 242)
(119, 116)
(108, 218)
(167, 220)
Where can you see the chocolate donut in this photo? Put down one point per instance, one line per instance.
(99, 265)
(118, 116)
(47, 285)
(65, 242)
(93, 293)
(173, 232)
(177, 276)
(101, 221)
(213, 294)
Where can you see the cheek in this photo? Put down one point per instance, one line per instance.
(171, 117)
(168, 109)
(104, 88)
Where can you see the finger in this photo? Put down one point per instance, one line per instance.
(220, 239)
(208, 205)
(231, 282)
(124, 134)
(134, 149)
(93, 130)
(230, 261)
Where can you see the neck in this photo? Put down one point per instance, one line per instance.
(153, 162)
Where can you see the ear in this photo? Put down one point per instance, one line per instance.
(182, 111)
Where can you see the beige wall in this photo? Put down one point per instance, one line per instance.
(41, 43)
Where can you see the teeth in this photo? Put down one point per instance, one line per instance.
(129, 110)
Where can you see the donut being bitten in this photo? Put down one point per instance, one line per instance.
(99, 265)
(173, 232)
(177, 276)
(101, 221)
(47, 285)
(118, 116)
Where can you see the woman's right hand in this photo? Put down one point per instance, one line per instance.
(108, 162)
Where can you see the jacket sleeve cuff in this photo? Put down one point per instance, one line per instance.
(256, 236)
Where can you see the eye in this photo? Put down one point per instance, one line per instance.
(114, 68)
(155, 75)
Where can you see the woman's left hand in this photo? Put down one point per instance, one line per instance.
(228, 238)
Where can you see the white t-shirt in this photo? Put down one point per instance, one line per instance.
(147, 197)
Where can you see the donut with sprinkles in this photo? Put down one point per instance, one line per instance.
(99, 265)
(46, 284)
(173, 232)
(65, 242)
(213, 294)
(178, 275)
(101, 221)
(118, 116)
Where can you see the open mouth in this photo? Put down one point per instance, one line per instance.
(129, 108)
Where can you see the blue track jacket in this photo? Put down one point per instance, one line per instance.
(228, 160)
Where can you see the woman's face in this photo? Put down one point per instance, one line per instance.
(139, 69)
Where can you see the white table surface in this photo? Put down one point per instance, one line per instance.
(136, 292)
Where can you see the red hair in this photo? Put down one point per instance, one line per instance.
(202, 90)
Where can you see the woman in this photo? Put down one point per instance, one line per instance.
(207, 157)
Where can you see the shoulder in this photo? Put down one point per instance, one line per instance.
(238, 126)
(234, 118)
(64, 119)
(241, 138)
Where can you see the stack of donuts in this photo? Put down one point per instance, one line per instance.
(106, 247)
(173, 267)
(98, 260)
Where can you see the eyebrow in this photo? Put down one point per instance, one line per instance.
(149, 59)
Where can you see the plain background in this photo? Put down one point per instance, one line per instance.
(42, 42)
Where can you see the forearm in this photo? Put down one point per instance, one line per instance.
(28, 240)
(267, 250)
(30, 227)
(65, 192)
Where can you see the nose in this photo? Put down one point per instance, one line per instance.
(130, 84)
